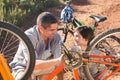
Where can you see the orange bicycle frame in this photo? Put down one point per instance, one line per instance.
(6, 74)
(4, 69)
(59, 69)
(104, 62)
(75, 71)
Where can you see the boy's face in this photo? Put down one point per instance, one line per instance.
(79, 40)
(50, 31)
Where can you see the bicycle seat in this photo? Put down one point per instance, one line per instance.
(98, 18)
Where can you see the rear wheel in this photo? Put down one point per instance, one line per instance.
(11, 37)
(105, 44)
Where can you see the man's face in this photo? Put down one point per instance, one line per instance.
(50, 31)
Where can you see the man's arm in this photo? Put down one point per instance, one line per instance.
(56, 49)
(43, 64)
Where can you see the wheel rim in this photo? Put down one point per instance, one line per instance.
(111, 48)
(9, 43)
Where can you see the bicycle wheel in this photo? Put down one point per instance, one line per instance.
(67, 36)
(10, 38)
(105, 44)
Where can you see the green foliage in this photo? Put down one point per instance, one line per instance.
(15, 16)
(15, 11)
(41, 5)
(1, 9)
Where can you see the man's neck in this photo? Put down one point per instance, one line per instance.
(45, 39)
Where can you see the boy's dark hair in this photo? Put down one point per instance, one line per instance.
(45, 19)
(86, 33)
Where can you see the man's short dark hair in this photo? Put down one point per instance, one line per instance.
(45, 19)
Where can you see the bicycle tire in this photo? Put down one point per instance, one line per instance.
(10, 33)
(112, 35)
(67, 36)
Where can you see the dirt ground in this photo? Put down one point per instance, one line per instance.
(83, 9)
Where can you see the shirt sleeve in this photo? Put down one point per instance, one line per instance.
(21, 57)
(32, 35)
(57, 51)
(19, 62)
(56, 46)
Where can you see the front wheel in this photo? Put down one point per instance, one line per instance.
(107, 47)
(12, 39)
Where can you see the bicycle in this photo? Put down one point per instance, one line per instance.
(106, 68)
(6, 28)
(70, 22)
(11, 37)
(74, 61)
(108, 44)
(67, 30)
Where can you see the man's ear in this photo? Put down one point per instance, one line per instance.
(40, 28)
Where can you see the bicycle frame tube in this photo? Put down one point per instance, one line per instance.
(75, 71)
(116, 70)
(59, 69)
(107, 77)
(56, 71)
(99, 61)
(95, 26)
(76, 23)
(101, 74)
(77, 77)
(4, 69)
(103, 62)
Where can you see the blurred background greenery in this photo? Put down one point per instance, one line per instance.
(17, 11)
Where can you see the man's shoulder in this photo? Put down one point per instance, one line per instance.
(31, 31)
(57, 36)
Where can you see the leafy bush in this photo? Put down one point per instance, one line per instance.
(15, 11)
(1, 9)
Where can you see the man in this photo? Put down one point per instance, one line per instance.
(45, 40)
